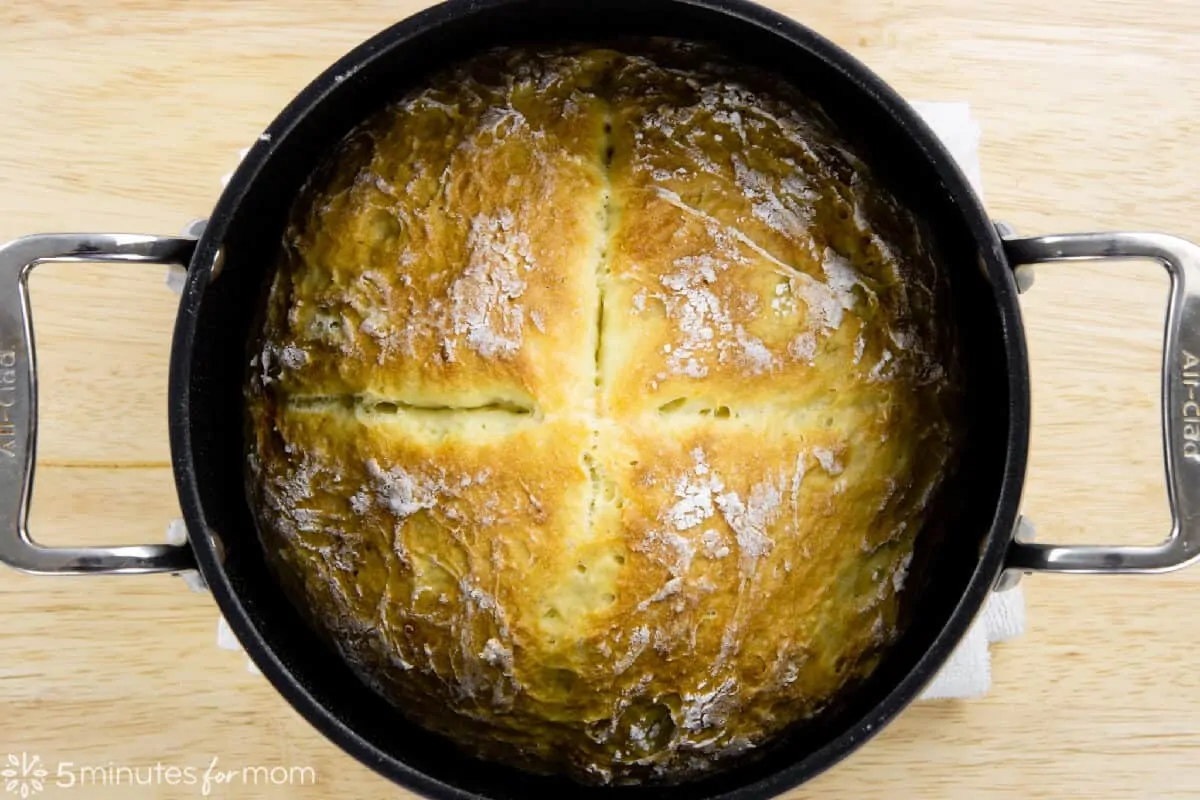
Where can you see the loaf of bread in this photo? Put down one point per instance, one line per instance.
(600, 401)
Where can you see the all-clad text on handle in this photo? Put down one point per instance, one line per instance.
(18, 404)
(8, 402)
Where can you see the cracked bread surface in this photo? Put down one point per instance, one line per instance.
(600, 401)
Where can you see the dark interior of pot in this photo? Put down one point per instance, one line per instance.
(248, 224)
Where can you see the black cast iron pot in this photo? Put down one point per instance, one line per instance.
(227, 270)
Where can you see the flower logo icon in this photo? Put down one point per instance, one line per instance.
(24, 775)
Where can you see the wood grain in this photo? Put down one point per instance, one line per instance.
(121, 115)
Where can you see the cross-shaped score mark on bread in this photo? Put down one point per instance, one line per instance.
(594, 420)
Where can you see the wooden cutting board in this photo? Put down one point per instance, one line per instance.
(121, 115)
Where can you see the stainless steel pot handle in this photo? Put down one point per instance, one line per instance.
(18, 404)
(1180, 409)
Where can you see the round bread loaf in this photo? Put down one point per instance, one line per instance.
(599, 404)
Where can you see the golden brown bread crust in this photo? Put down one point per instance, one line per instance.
(744, 265)
(447, 259)
(614, 469)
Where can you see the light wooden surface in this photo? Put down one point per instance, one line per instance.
(122, 115)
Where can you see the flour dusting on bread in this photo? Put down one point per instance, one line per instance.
(599, 405)
(483, 301)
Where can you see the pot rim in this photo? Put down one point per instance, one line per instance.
(995, 265)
